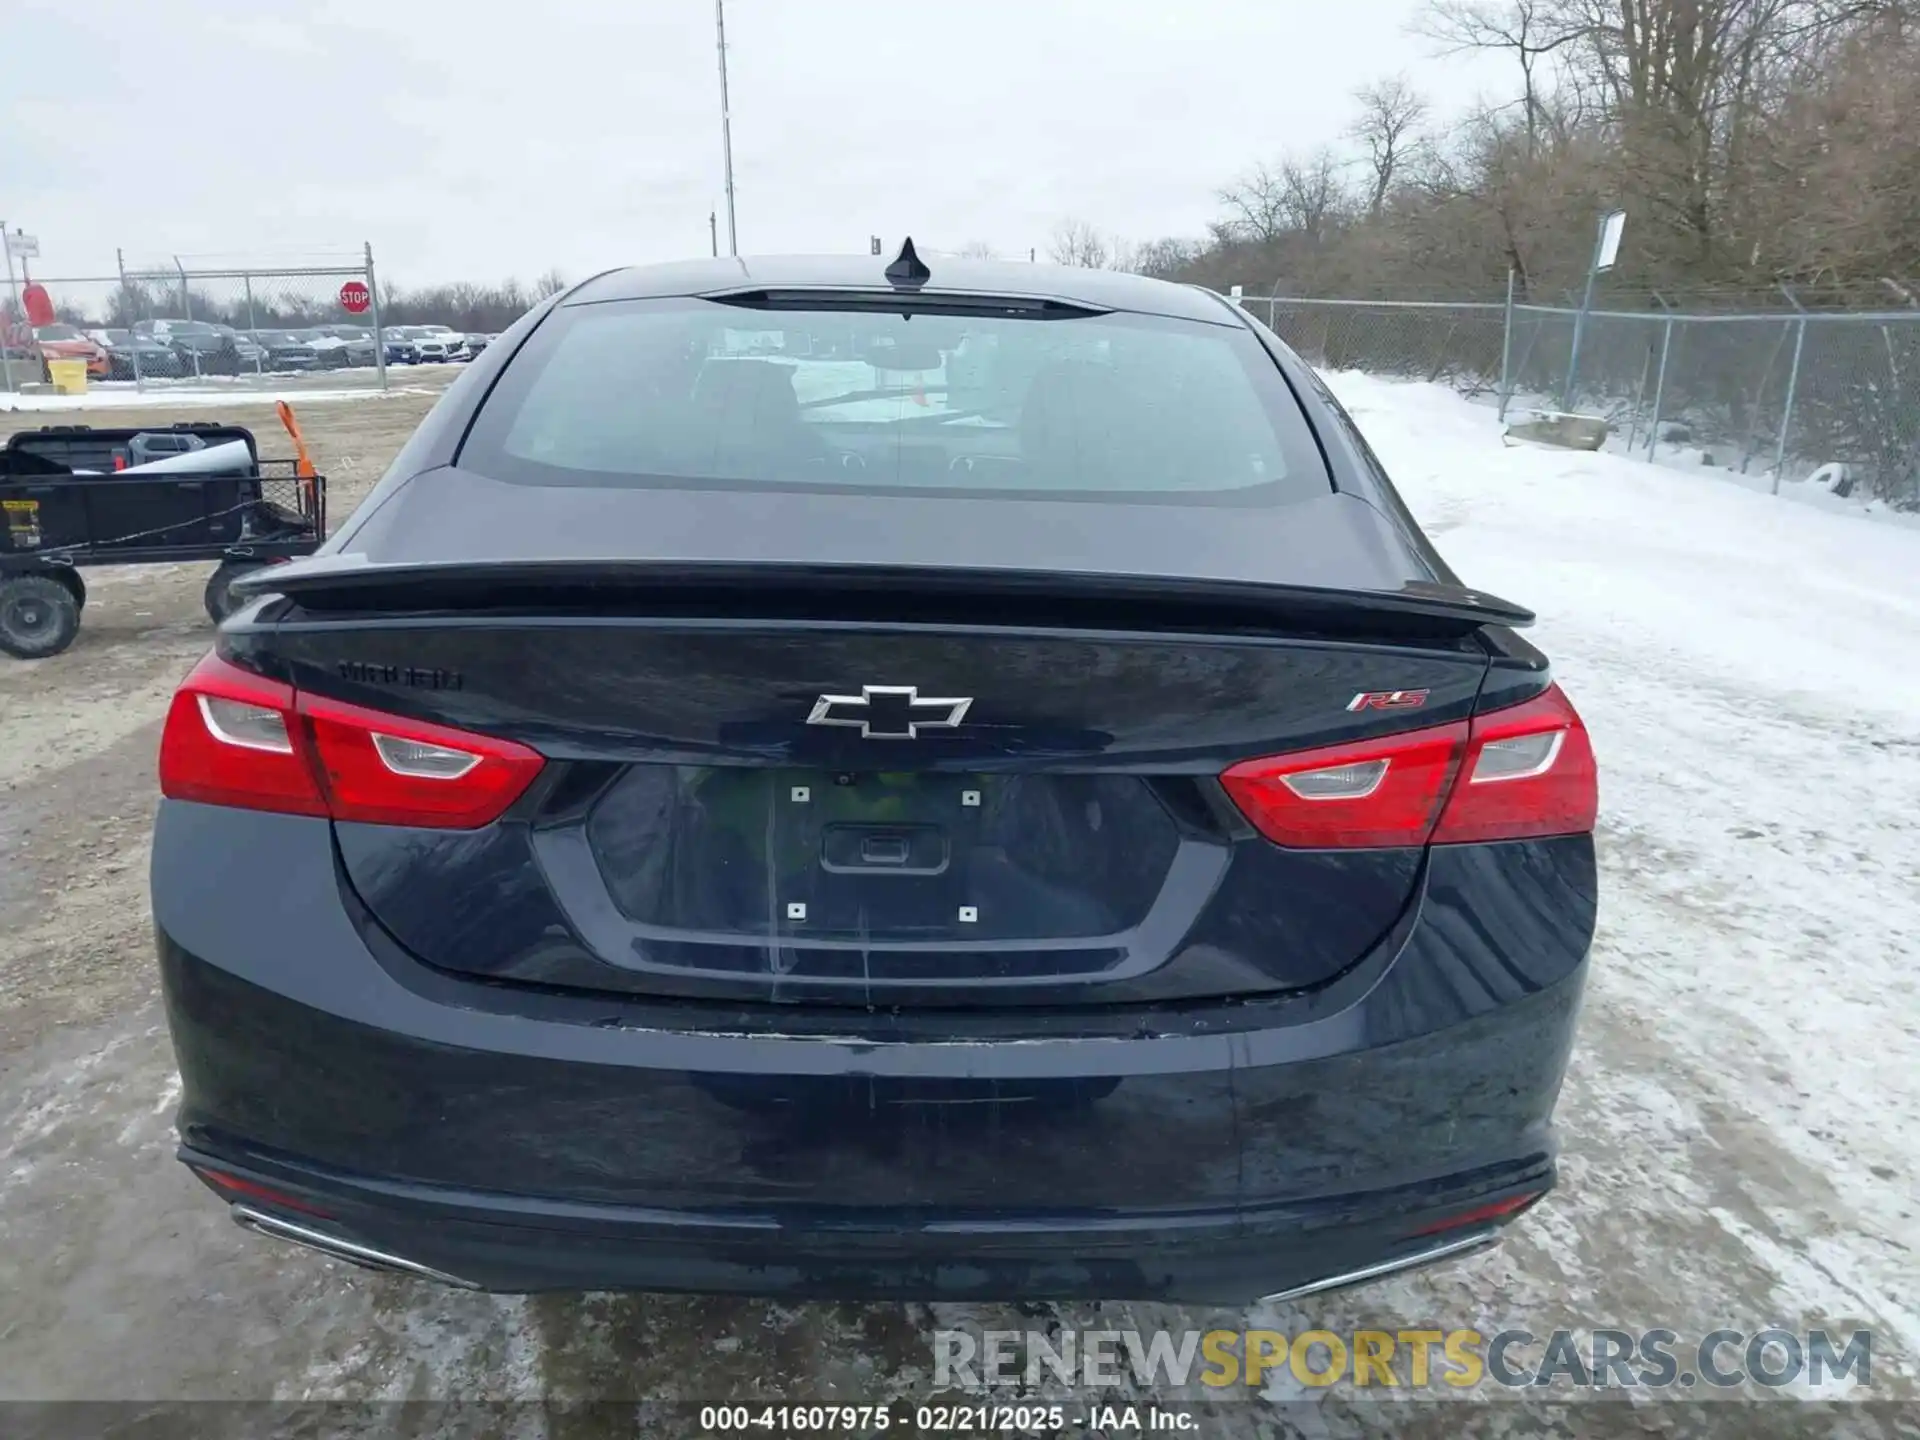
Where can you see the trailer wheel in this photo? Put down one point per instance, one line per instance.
(38, 616)
(68, 577)
(218, 595)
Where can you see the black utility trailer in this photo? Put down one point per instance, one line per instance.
(70, 496)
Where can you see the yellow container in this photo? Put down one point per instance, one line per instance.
(69, 376)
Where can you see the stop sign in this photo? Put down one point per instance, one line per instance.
(355, 297)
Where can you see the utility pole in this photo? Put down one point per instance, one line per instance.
(726, 124)
(713, 231)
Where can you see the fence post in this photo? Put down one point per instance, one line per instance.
(1660, 383)
(13, 309)
(379, 340)
(1639, 401)
(126, 294)
(1793, 384)
(1506, 350)
(1573, 357)
(253, 325)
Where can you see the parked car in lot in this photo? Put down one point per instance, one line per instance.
(252, 354)
(203, 348)
(155, 359)
(399, 341)
(69, 342)
(288, 350)
(748, 833)
(478, 342)
(342, 345)
(439, 346)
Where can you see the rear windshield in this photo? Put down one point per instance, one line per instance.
(694, 393)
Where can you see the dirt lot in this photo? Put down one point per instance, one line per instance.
(121, 1279)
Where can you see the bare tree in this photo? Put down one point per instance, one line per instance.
(976, 250)
(1391, 112)
(1296, 197)
(1256, 206)
(1533, 31)
(551, 283)
(1077, 243)
(1164, 258)
(1313, 196)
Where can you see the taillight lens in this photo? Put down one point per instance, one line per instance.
(1523, 771)
(383, 770)
(1530, 772)
(234, 738)
(1368, 794)
(231, 739)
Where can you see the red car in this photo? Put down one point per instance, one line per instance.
(64, 342)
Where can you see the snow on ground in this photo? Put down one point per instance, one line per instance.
(1748, 670)
(1808, 485)
(115, 397)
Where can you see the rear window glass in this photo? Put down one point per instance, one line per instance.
(692, 393)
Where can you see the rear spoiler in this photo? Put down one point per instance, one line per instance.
(1095, 600)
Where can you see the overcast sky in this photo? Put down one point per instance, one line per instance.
(475, 140)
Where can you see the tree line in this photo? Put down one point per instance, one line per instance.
(1753, 143)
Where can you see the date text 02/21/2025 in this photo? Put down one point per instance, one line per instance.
(938, 1419)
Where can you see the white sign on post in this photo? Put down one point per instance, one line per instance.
(23, 245)
(1611, 228)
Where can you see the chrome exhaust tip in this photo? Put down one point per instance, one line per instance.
(1460, 1245)
(332, 1246)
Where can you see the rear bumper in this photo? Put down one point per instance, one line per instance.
(524, 1141)
(518, 1244)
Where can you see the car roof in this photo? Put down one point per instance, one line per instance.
(1099, 289)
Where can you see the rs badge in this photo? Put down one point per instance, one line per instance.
(1388, 700)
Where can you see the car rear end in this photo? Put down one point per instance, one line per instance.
(440, 349)
(1058, 850)
(291, 352)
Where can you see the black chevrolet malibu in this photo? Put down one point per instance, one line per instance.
(945, 780)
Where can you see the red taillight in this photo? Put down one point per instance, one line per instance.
(231, 739)
(1523, 771)
(383, 770)
(1530, 772)
(1367, 794)
(234, 738)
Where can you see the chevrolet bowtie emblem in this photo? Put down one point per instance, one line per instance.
(889, 712)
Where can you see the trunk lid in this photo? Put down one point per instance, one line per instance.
(781, 809)
(874, 749)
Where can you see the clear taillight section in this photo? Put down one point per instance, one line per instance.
(237, 739)
(1523, 771)
(1530, 772)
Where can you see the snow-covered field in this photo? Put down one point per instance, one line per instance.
(1750, 670)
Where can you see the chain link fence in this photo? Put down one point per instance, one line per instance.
(1782, 393)
(159, 327)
